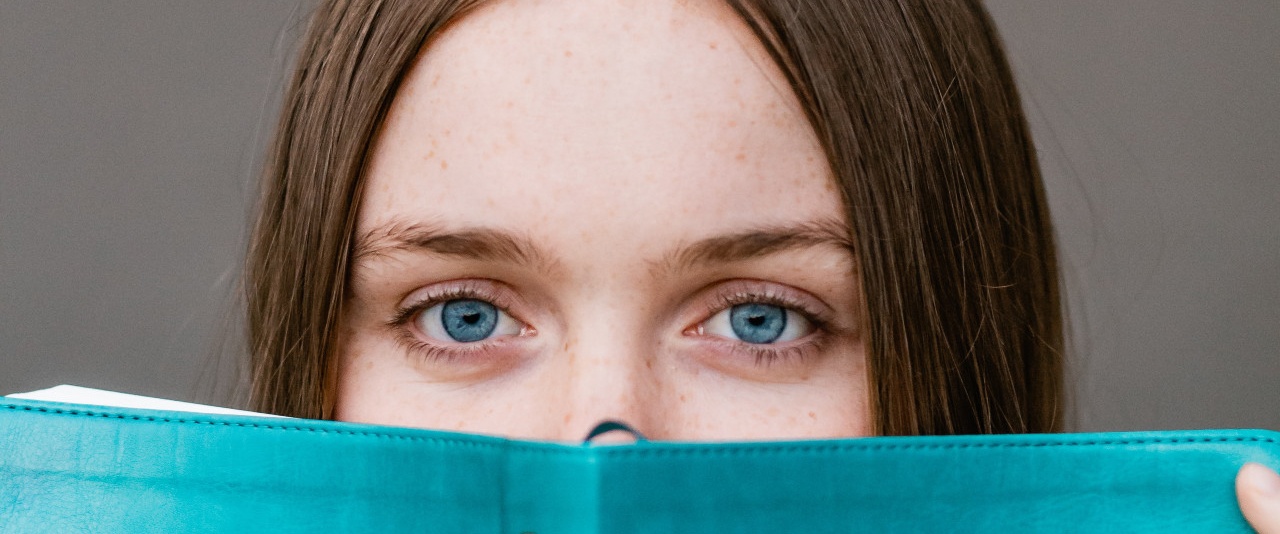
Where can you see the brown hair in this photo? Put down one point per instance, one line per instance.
(917, 111)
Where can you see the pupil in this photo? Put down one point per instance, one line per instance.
(469, 320)
(758, 323)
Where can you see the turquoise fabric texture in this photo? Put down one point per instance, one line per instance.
(77, 468)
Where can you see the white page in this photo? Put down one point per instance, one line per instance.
(100, 397)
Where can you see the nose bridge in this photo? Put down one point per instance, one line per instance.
(609, 375)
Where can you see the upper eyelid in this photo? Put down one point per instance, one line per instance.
(706, 302)
(730, 301)
(744, 291)
(408, 307)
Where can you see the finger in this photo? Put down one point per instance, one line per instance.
(1258, 489)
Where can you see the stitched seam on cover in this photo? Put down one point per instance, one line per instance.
(873, 447)
(721, 451)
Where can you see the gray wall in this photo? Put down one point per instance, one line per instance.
(130, 132)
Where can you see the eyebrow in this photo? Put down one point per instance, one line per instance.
(487, 244)
(481, 244)
(756, 242)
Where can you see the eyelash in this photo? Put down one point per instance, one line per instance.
(431, 352)
(759, 354)
(723, 300)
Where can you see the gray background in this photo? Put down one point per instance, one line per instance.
(131, 132)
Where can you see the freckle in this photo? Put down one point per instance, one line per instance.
(444, 164)
(682, 399)
(568, 53)
(773, 412)
(813, 416)
(713, 45)
(733, 123)
(740, 157)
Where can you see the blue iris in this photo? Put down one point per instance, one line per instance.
(468, 320)
(758, 323)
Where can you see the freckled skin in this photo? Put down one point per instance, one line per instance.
(607, 133)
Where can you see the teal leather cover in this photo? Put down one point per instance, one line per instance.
(77, 468)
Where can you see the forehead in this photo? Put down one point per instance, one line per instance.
(582, 121)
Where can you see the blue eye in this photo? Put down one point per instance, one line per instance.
(466, 321)
(758, 323)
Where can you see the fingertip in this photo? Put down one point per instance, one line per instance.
(1257, 478)
(1258, 489)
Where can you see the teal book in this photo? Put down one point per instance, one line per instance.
(82, 468)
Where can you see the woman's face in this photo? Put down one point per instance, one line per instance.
(579, 211)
